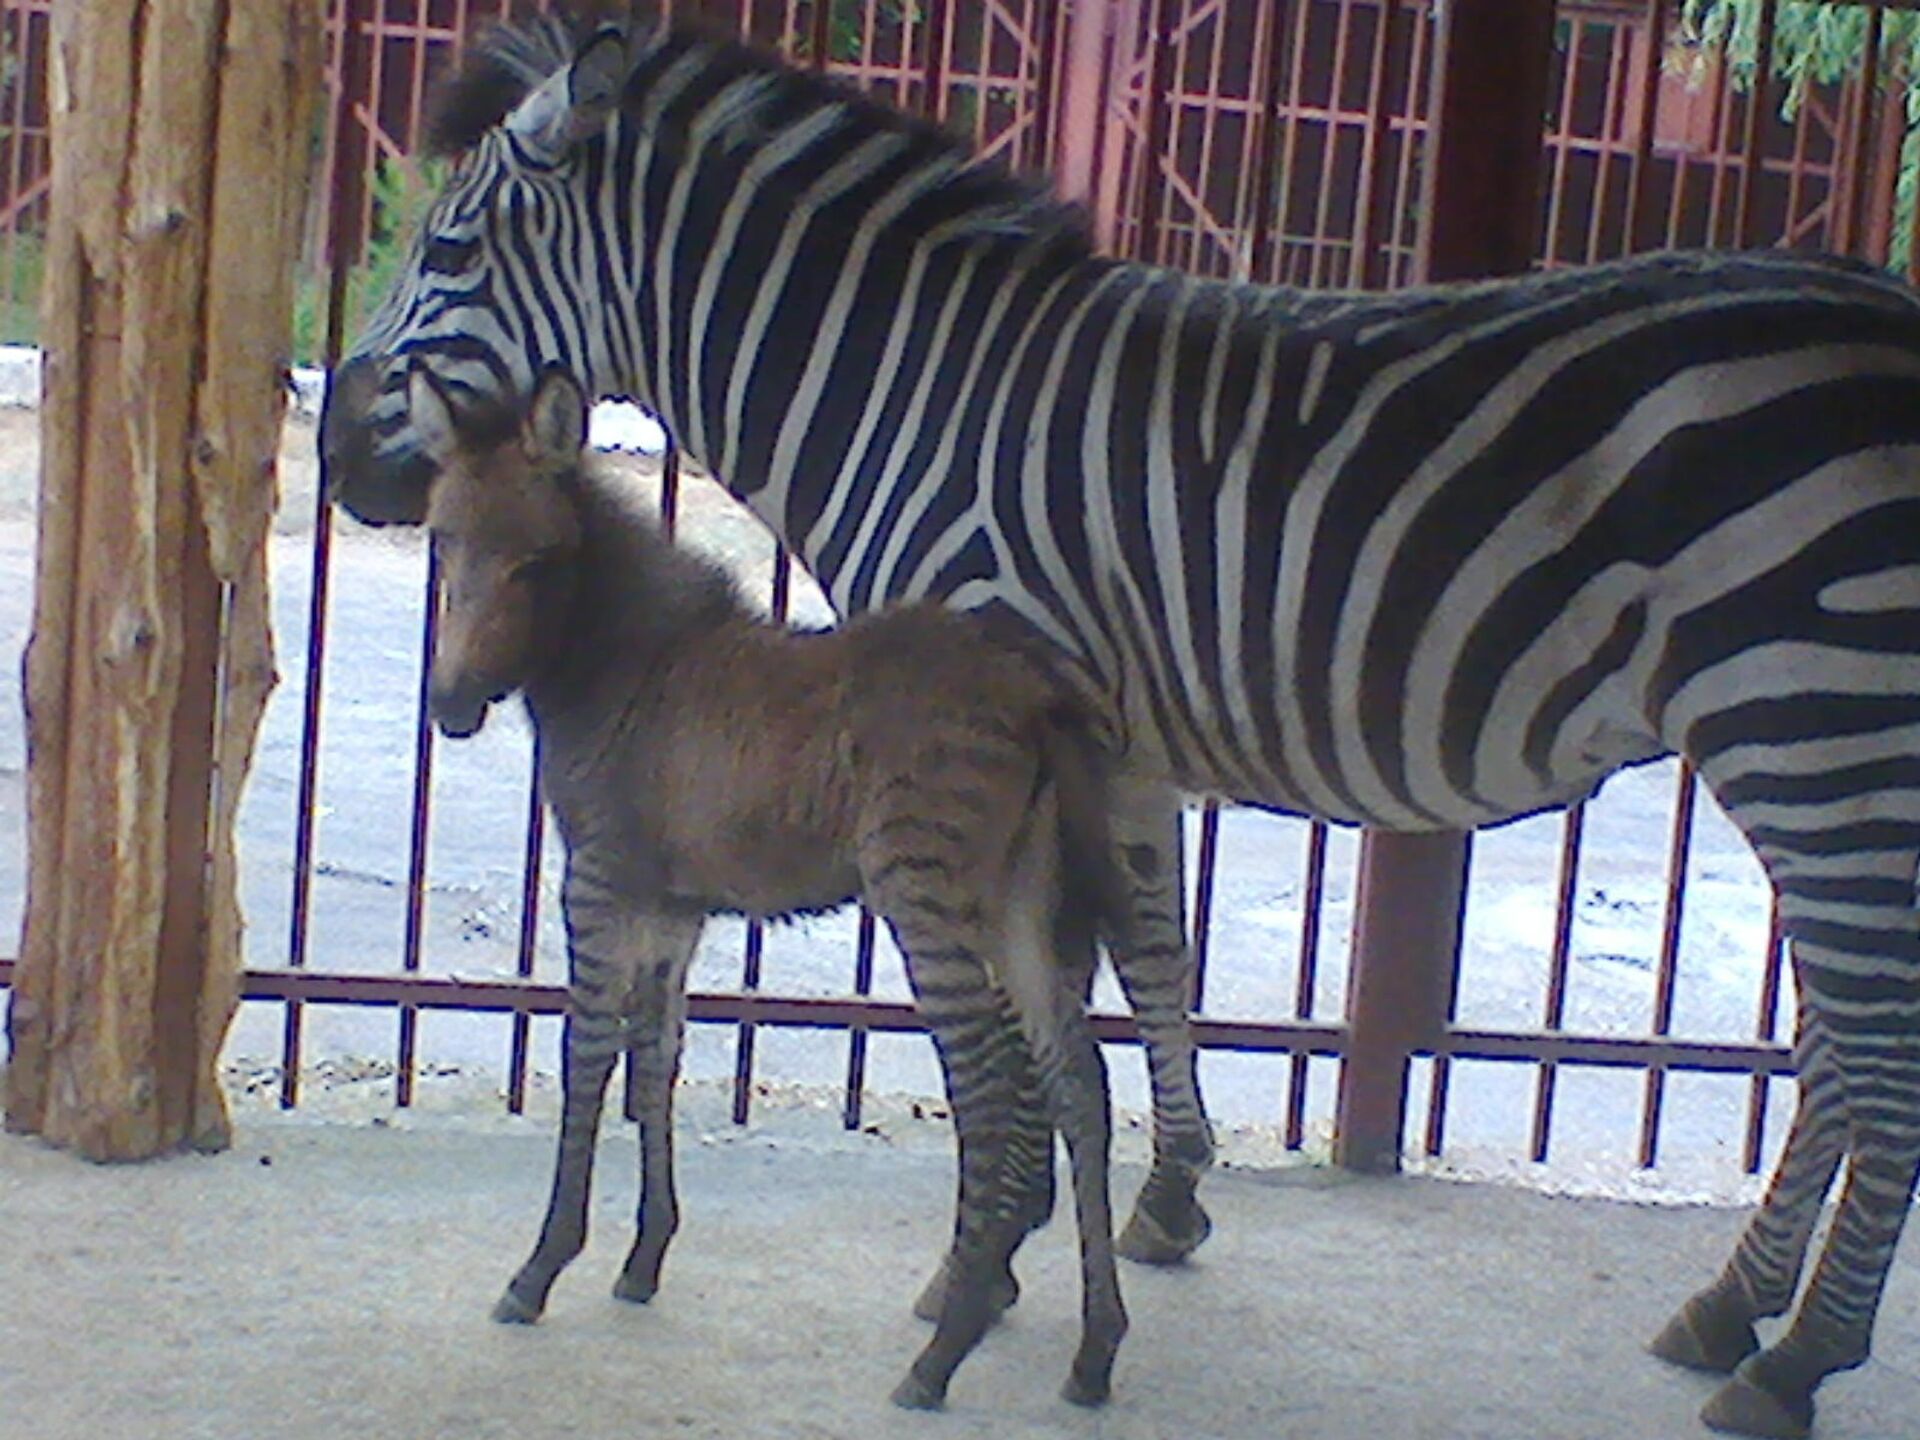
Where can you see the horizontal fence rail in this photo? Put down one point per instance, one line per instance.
(1268, 140)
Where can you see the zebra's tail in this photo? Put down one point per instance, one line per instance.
(1094, 896)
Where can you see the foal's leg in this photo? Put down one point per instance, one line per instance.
(1024, 1179)
(1156, 972)
(656, 1019)
(592, 1040)
(1049, 995)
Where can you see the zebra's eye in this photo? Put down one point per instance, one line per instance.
(445, 255)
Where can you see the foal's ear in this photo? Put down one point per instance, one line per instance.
(431, 414)
(556, 425)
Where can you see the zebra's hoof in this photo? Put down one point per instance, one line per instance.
(1698, 1339)
(1744, 1407)
(510, 1309)
(914, 1393)
(1146, 1241)
(933, 1296)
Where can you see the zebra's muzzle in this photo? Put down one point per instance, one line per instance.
(374, 484)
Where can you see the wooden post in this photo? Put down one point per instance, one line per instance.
(180, 140)
(1481, 212)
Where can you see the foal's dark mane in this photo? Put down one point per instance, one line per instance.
(506, 62)
(633, 591)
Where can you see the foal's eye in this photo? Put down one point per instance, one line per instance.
(540, 566)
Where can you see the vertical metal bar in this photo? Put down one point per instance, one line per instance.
(1560, 141)
(1290, 147)
(1320, 250)
(1411, 132)
(347, 166)
(1313, 894)
(529, 934)
(1797, 169)
(670, 490)
(851, 1107)
(1155, 163)
(1679, 846)
(1640, 178)
(1745, 221)
(934, 86)
(417, 844)
(1619, 51)
(744, 1043)
(1556, 1002)
(1362, 272)
(1263, 141)
(1765, 1026)
(1038, 140)
(1858, 150)
(1203, 885)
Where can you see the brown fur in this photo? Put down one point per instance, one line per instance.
(699, 758)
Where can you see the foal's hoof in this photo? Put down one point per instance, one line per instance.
(933, 1297)
(1087, 1391)
(636, 1289)
(1148, 1242)
(1744, 1407)
(913, 1393)
(510, 1309)
(1697, 1339)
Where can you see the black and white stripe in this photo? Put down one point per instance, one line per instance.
(1425, 560)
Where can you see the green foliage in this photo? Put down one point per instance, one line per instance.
(846, 26)
(403, 191)
(22, 259)
(1821, 44)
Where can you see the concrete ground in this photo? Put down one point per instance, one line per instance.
(332, 1280)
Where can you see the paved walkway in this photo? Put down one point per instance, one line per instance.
(328, 1281)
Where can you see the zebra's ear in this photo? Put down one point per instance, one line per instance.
(556, 425)
(574, 103)
(431, 414)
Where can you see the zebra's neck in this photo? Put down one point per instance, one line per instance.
(807, 275)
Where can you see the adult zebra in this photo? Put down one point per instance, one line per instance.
(1425, 560)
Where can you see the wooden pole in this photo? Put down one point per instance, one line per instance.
(181, 133)
(1481, 210)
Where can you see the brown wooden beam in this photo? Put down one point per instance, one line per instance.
(180, 139)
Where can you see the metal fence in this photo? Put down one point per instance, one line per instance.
(1273, 140)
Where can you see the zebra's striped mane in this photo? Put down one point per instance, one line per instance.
(509, 60)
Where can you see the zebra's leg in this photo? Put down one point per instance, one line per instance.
(1714, 1330)
(1156, 972)
(1771, 1394)
(656, 1020)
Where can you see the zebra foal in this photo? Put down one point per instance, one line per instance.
(698, 759)
(1425, 560)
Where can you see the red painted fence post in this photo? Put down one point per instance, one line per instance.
(1480, 208)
